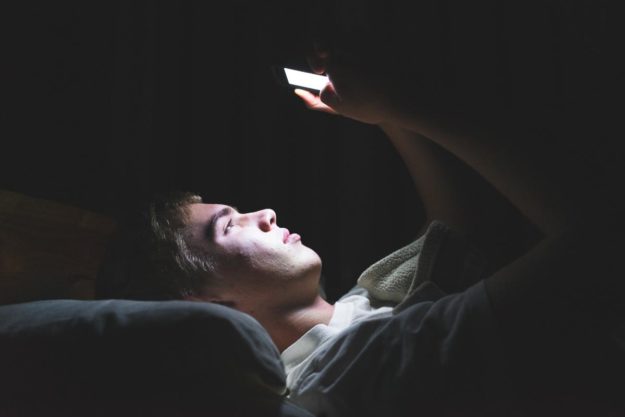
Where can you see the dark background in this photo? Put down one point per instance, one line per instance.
(104, 103)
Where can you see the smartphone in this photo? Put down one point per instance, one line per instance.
(300, 79)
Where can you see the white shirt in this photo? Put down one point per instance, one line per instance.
(353, 307)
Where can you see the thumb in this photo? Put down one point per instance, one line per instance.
(329, 96)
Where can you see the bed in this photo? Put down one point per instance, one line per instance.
(63, 353)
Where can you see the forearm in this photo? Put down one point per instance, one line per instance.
(435, 183)
(511, 157)
(455, 194)
(531, 167)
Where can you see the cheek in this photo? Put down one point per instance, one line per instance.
(262, 257)
(248, 254)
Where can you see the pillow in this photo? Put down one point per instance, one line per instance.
(63, 357)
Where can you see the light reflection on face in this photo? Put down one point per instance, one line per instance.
(254, 257)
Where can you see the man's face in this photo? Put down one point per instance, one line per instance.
(254, 257)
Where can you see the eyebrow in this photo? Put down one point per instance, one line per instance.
(212, 222)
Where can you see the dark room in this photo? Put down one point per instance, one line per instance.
(320, 208)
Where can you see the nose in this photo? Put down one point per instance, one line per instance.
(266, 219)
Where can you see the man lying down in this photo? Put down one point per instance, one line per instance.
(461, 320)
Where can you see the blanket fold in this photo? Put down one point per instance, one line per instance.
(440, 256)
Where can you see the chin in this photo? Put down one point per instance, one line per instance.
(315, 259)
(307, 263)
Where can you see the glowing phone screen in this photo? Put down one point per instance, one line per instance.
(305, 79)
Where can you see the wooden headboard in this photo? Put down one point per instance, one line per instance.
(48, 249)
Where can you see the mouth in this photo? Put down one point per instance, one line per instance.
(288, 237)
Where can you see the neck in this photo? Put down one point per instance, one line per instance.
(285, 326)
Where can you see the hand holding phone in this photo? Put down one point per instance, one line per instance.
(364, 98)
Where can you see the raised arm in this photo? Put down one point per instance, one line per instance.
(439, 186)
(435, 174)
(521, 160)
(514, 158)
(532, 168)
(453, 193)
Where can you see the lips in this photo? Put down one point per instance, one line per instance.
(293, 237)
(288, 237)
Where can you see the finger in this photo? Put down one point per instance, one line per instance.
(329, 96)
(318, 58)
(316, 64)
(313, 102)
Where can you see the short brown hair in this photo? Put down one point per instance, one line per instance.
(150, 258)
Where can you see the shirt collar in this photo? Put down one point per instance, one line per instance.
(316, 336)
